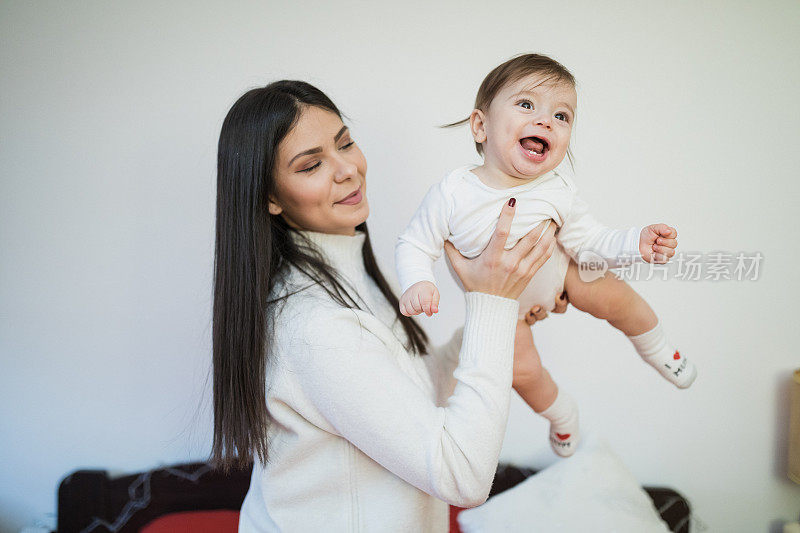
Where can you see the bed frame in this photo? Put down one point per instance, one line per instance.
(91, 501)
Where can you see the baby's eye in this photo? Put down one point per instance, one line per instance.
(563, 117)
(525, 103)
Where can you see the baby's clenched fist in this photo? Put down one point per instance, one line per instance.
(657, 243)
(421, 297)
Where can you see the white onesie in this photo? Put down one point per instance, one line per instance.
(464, 210)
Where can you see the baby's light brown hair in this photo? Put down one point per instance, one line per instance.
(513, 70)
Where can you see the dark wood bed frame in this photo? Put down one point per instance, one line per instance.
(90, 501)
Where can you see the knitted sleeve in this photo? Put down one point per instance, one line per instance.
(441, 362)
(348, 375)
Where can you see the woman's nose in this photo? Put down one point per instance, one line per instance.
(344, 170)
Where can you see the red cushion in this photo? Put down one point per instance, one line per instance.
(219, 521)
(223, 521)
(453, 521)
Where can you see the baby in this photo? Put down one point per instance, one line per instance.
(522, 124)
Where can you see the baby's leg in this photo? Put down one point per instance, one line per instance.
(535, 385)
(611, 299)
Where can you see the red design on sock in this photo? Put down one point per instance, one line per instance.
(676, 355)
(564, 436)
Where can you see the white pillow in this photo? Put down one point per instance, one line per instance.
(590, 491)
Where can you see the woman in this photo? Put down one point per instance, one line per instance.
(359, 428)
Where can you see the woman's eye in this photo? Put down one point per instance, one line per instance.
(348, 145)
(526, 104)
(309, 169)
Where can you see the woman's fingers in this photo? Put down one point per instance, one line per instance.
(535, 314)
(532, 255)
(561, 303)
(534, 237)
(534, 260)
(499, 271)
(542, 254)
(457, 260)
(498, 241)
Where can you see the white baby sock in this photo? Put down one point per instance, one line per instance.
(563, 417)
(658, 353)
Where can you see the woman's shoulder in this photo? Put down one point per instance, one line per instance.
(297, 298)
(297, 302)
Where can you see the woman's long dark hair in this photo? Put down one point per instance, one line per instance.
(252, 248)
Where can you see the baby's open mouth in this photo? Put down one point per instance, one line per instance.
(534, 145)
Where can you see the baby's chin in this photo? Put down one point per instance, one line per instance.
(525, 171)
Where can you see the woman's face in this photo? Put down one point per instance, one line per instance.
(320, 176)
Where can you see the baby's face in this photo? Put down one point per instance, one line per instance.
(528, 127)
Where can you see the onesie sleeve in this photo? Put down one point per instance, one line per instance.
(355, 388)
(422, 242)
(580, 231)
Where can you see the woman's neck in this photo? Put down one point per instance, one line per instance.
(341, 251)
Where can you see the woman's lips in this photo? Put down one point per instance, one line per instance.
(352, 199)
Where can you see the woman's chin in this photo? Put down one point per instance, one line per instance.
(360, 216)
(365, 215)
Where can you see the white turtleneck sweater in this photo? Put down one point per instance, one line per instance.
(365, 435)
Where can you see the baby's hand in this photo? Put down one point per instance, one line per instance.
(657, 243)
(422, 296)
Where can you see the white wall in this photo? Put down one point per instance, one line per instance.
(109, 117)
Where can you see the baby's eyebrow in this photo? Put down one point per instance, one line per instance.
(520, 93)
(565, 104)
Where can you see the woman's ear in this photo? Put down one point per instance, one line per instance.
(273, 207)
(476, 125)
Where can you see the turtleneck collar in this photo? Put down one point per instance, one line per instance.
(343, 252)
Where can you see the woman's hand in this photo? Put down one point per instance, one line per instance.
(499, 271)
(538, 313)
